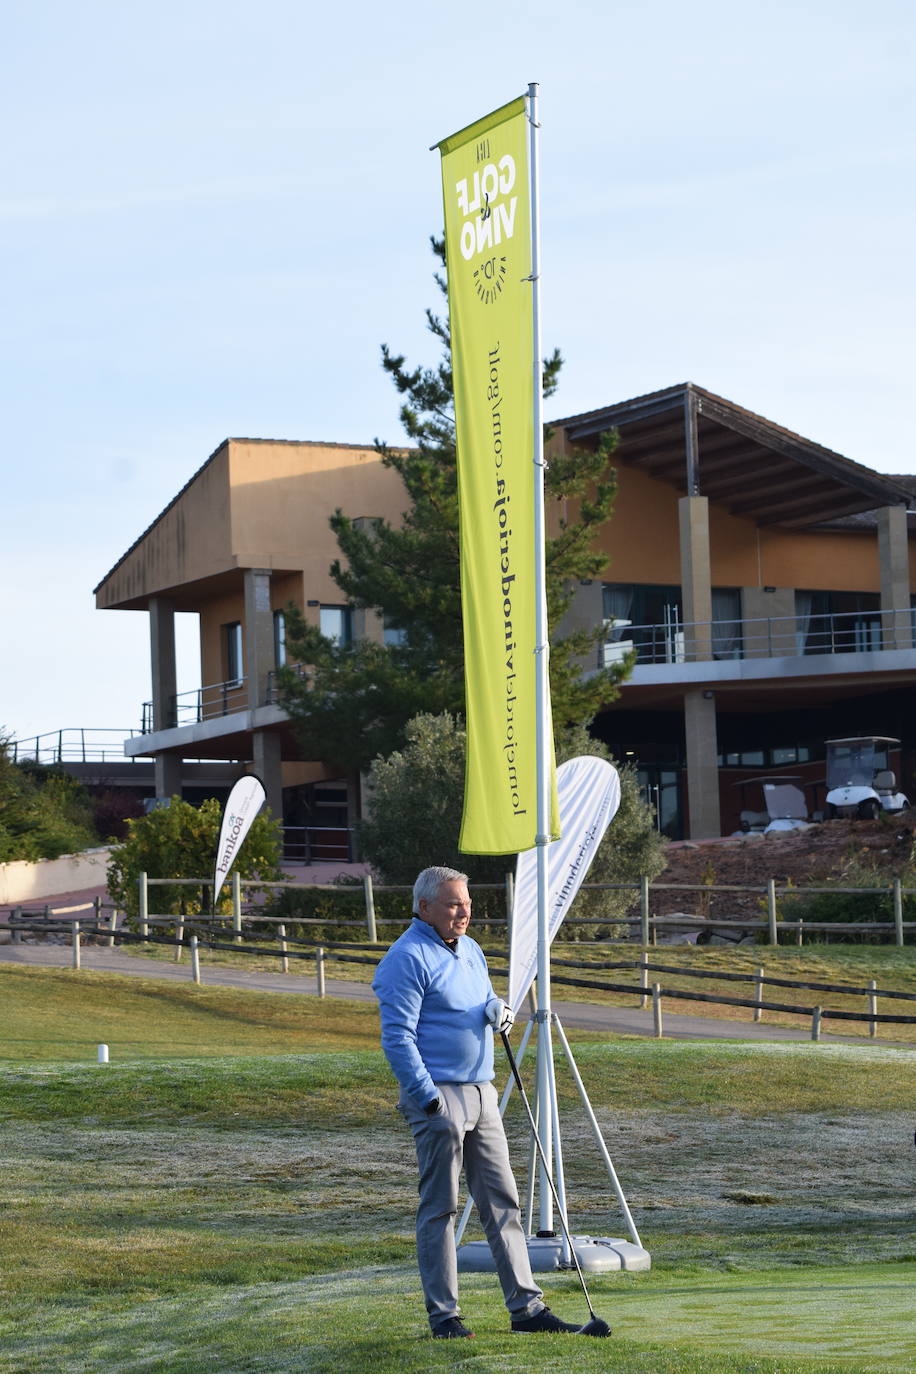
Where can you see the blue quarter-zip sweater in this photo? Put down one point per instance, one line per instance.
(432, 998)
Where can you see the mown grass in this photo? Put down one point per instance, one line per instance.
(248, 1204)
(64, 1014)
(368, 1322)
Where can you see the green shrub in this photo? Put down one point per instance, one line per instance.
(179, 841)
(44, 813)
(416, 797)
(853, 907)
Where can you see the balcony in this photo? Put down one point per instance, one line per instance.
(673, 651)
(73, 745)
(202, 703)
(777, 637)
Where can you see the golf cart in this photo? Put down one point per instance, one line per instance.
(859, 782)
(784, 806)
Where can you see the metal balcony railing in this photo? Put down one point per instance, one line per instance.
(202, 703)
(74, 744)
(786, 636)
(273, 691)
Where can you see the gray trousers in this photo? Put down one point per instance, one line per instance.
(468, 1131)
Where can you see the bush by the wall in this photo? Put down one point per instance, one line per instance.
(179, 841)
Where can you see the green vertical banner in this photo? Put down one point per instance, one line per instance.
(488, 257)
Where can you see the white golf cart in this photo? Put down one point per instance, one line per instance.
(859, 781)
(784, 803)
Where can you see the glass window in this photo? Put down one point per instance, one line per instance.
(726, 623)
(279, 639)
(232, 636)
(394, 633)
(648, 617)
(837, 622)
(337, 624)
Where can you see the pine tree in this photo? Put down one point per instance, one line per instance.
(352, 702)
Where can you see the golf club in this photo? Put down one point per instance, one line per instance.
(595, 1326)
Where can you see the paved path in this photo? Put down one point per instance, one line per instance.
(573, 1015)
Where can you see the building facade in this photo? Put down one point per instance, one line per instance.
(762, 584)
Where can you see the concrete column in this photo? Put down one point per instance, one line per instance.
(696, 577)
(259, 635)
(702, 764)
(162, 658)
(893, 557)
(266, 750)
(168, 775)
(586, 612)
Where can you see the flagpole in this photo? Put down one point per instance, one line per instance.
(542, 689)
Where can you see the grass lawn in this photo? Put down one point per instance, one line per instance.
(235, 1192)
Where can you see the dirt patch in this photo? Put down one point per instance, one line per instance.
(825, 852)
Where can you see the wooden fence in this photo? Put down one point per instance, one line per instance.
(197, 934)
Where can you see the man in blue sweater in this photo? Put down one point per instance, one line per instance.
(438, 1011)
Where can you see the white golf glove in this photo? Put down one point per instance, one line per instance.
(499, 1014)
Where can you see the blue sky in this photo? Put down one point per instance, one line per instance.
(213, 214)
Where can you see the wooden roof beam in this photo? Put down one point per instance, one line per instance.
(752, 492)
(840, 469)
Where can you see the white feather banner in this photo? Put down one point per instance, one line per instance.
(589, 791)
(242, 805)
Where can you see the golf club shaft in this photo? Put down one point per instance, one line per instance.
(543, 1158)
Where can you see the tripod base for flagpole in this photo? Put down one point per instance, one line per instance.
(596, 1255)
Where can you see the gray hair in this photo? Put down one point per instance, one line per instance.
(426, 888)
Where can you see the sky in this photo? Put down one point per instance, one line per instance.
(213, 214)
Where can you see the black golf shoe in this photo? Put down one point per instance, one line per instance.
(450, 1329)
(545, 1320)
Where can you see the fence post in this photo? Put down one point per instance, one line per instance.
(657, 1009)
(112, 923)
(644, 908)
(195, 960)
(144, 905)
(284, 962)
(872, 1008)
(800, 937)
(319, 969)
(758, 994)
(16, 936)
(644, 979)
(237, 906)
(370, 908)
(76, 944)
(179, 938)
(816, 1023)
(771, 910)
(898, 911)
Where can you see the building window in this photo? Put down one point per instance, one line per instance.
(395, 634)
(726, 623)
(279, 638)
(776, 756)
(337, 624)
(651, 619)
(232, 638)
(653, 612)
(837, 622)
